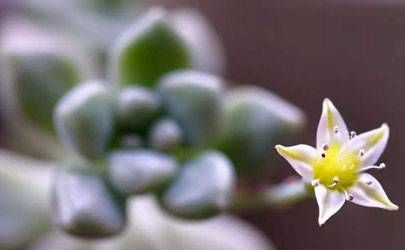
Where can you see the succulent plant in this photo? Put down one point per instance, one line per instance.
(160, 127)
(159, 121)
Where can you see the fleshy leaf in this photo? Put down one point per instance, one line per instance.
(147, 50)
(84, 119)
(166, 135)
(206, 50)
(84, 205)
(255, 121)
(139, 171)
(203, 187)
(193, 99)
(137, 107)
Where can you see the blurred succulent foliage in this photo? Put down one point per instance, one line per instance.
(85, 206)
(105, 6)
(140, 171)
(148, 50)
(85, 119)
(37, 68)
(165, 135)
(41, 79)
(83, 17)
(162, 123)
(130, 141)
(137, 107)
(254, 121)
(203, 187)
(205, 49)
(24, 207)
(194, 100)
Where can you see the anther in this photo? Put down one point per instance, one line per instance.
(336, 130)
(315, 183)
(349, 197)
(362, 152)
(382, 165)
(335, 182)
(369, 183)
(353, 134)
(323, 155)
(325, 147)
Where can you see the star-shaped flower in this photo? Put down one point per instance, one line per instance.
(336, 167)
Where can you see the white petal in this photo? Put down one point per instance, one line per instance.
(331, 119)
(329, 202)
(372, 142)
(300, 157)
(369, 192)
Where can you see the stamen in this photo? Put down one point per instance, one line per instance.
(325, 147)
(362, 152)
(323, 155)
(336, 130)
(353, 134)
(349, 197)
(335, 182)
(369, 183)
(315, 183)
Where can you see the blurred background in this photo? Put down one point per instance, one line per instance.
(304, 50)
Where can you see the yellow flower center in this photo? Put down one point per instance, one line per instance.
(337, 169)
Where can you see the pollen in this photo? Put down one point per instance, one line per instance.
(337, 169)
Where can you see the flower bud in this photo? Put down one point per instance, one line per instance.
(139, 171)
(84, 119)
(193, 99)
(203, 188)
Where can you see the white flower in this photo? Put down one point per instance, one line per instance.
(336, 167)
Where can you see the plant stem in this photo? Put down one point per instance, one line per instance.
(277, 196)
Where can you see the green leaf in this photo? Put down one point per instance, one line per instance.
(165, 135)
(206, 49)
(140, 171)
(147, 50)
(40, 79)
(137, 107)
(255, 121)
(37, 67)
(203, 187)
(193, 99)
(84, 119)
(84, 205)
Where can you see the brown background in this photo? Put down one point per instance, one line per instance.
(305, 50)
